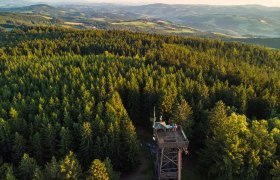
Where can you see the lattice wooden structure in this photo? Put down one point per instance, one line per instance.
(170, 145)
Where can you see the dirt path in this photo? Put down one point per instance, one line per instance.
(139, 173)
(145, 170)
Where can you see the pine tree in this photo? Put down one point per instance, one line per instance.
(10, 174)
(70, 167)
(37, 148)
(226, 149)
(113, 175)
(6, 172)
(182, 115)
(52, 170)
(263, 147)
(86, 146)
(65, 143)
(49, 142)
(27, 167)
(5, 141)
(275, 171)
(18, 147)
(129, 145)
(38, 175)
(169, 96)
(217, 116)
(98, 171)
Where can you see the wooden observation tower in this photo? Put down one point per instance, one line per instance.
(170, 143)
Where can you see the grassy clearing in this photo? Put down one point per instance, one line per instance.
(46, 17)
(9, 29)
(226, 35)
(66, 26)
(73, 23)
(181, 31)
(162, 25)
(139, 24)
(98, 19)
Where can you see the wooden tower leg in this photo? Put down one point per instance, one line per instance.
(179, 164)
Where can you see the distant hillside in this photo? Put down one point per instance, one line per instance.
(230, 23)
(269, 42)
(234, 20)
(36, 9)
(14, 3)
(49, 15)
(11, 20)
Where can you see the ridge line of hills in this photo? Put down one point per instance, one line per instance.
(231, 23)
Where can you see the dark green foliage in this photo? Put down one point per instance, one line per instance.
(87, 144)
(18, 147)
(275, 172)
(82, 91)
(11, 20)
(269, 42)
(27, 168)
(52, 170)
(182, 115)
(233, 149)
(113, 175)
(6, 172)
(65, 144)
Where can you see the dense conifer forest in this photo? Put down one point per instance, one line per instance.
(71, 100)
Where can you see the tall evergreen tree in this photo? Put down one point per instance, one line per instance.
(65, 141)
(98, 171)
(6, 172)
(182, 115)
(52, 170)
(113, 175)
(18, 147)
(27, 167)
(86, 146)
(70, 167)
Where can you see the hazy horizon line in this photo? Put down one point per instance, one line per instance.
(34, 2)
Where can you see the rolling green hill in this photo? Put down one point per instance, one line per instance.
(242, 24)
(234, 20)
(269, 42)
(244, 21)
(12, 20)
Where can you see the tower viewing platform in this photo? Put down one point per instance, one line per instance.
(171, 138)
(171, 141)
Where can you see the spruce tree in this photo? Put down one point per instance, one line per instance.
(27, 167)
(98, 171)
(70, 167)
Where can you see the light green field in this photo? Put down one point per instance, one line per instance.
(162, 26)
(66, 26)
(98, 19)
(226, 35)
(73, 23)
(181, 31)
(139, 24)
(46, 17)
(9, 29)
